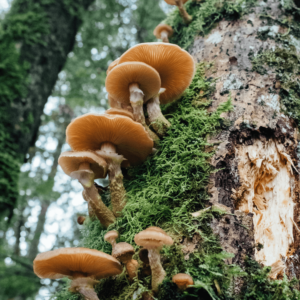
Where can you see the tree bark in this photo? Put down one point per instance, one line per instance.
(43, 45)
(257, 179)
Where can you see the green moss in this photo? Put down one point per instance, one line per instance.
(205, 15)
(163, 192)
(257, 285)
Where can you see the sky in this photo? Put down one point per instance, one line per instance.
(4, 5)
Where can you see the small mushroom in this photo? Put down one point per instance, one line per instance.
(123, 252)
(85, 166)
(163, 32)
(153, 239)
(115, 138)
(183, 281)
(176, 69)
(82, 265)
(80, 220)
(111, 237)
(133, 83)
(112, 65)
(179, 3)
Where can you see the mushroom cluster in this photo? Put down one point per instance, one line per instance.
(143, 77)
(86, 266)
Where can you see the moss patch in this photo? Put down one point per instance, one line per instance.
(205, 15)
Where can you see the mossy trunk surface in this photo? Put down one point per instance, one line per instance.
(256, 157)
(224, 181)
(35, 39)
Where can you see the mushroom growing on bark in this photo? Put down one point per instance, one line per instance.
(134, 83)
(114, 138)
(176, 69)
(153, 239)
(163, 32)
(111, 237)
(80, 220)
(179, 3)
(123, 252)
(85, 166)
(82, 265)
(183, 281)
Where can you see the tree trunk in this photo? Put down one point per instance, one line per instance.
(34, 43)
(256, 158)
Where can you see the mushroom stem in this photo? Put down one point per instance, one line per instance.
(84, 175)
(185, 16)
(157, 271)
(90, 210)
(84, 286)
(132, 268)
(164, 36)
(137, 101)
(117, 190)
(101, 211)
(156, 118)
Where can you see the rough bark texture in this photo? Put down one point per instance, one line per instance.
(45, 55)
(255, 120)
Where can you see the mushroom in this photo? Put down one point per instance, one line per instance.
(183, 281)
(153, 239)
(133, 83)
(163, 32)
(82, 265)
(112, 65)
(123, 252)
(114, 138)
(87, 166)
(179, 3)
(120, 112)
(176, 70)
(80, 220)
(111, 237)
(143, 255)
(116, 104)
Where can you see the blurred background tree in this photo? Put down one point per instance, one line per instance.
(48, 202)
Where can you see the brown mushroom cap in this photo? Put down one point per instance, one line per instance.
(120, 112)
(71, 160)
(123, 252)
(89, 131)
(162, 27)
(119, 79)
(112, 65)
(175, 66)
(172, 2)
(153, 237)
(111, 236)
(75, 262)
(80, 220)
(183, 280)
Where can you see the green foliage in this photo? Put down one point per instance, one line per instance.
(205, 16)
(109, 29)
(259, 286)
